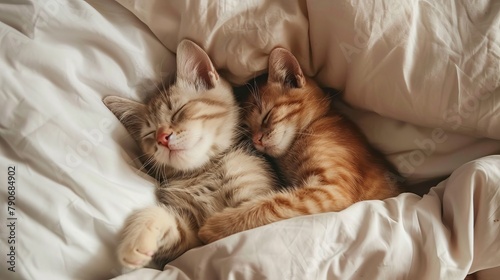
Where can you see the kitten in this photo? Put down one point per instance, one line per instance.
(324, 156)
(189, 134)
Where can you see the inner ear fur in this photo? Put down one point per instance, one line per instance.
(285, 69)
(194, 65)
(130, 113)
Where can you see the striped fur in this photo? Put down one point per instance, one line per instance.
(202, 169)
(324, 157)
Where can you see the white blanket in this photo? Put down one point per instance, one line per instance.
(451, 230)
(424, 73)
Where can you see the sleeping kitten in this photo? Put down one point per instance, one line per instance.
(189, 134)
(323, 155)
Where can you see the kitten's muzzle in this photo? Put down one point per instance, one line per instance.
(163, 136)
(257, 138)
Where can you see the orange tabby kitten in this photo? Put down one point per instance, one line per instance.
(325, 158)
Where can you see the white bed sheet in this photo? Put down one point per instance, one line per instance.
(76, 178)
(77, 173)
(443, 235)
(433, 64)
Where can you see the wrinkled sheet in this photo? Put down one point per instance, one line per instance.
(425, 62)
(77, 171)
(451, 230)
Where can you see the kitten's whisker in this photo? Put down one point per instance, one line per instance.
(143, 168)
(245, 108)
(148, 161)
(139, 158)
(164, 174)
(156, 86)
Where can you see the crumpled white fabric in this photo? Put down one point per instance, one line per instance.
(447, 233)
(428, 63)
(78, 172)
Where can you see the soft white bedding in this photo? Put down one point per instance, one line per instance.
(424, 73)
(438, 236)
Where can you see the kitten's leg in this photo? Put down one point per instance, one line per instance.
(150, 232)
(277, 207)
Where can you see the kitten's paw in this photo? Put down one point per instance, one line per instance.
(137, 248)
(143, 234)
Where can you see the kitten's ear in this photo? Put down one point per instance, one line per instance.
(194, 65)
(130, 113)
(285, 69)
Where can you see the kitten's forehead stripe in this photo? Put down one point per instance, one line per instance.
(209, 116)
(288, 115)
(289, 103)
(168, 101)
(215, 104)
(209, 102)
(285, 105)
(157, 105)
(156, 110)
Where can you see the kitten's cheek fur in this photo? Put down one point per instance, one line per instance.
(259, 148)
(273, 151)
(287, 137)
(186, 160)
(276, 150)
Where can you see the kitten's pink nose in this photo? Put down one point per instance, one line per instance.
(257, 138)
(163, 139)
(163, 136)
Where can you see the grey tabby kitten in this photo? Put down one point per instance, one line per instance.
(189, 135)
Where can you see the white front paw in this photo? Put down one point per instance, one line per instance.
(142, 236)
(137, 249)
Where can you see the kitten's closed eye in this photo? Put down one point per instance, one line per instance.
(149, 133)
(179, 114)
(266, 117)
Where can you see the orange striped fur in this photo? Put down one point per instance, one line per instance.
(322, 155)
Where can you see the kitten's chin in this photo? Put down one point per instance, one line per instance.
(273, 151)
(183, 159)
(186, 162)
(270, 150)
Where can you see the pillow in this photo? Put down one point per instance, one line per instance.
(431, 64)
(429, 72)
(237, 35)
